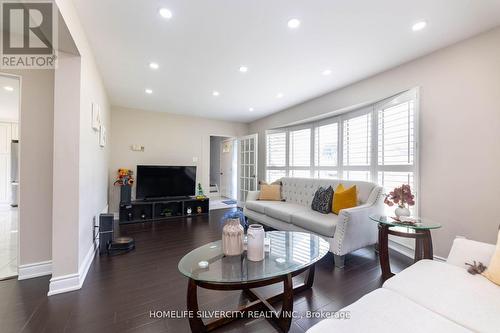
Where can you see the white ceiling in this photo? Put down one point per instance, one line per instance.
(201, 47)
(9, 99)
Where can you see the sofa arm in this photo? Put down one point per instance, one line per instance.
(354, 229)
(253, 195)
(465, 250)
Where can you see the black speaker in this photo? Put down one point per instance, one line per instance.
(105, 232)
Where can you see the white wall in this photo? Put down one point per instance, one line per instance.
(168, 139)
(459, 132)
(91, 174)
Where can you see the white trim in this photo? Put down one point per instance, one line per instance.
(63, 284)
(71, 282)
(35, 269)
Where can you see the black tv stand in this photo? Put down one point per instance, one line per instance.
(162, 208)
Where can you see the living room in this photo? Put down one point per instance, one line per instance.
(257, 167)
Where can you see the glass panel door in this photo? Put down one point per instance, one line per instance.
(247, 169)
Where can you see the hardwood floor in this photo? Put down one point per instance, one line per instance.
(119, 292)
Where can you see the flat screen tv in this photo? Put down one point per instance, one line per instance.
(156, 181)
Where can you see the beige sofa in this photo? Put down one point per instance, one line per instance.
(348, 231)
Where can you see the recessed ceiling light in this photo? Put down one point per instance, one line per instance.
(250, 109)
(8, 88)
(165, 13)
(215, 93)
(293, 23)
(243, 69)
(153, 65)
(148, 91)
(279, 95)
(326, 72)
(419, 26)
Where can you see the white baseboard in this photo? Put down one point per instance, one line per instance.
(63, 284)
(71, 282)
(408, 251)
(33, 270)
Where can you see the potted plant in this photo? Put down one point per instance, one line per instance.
(401, 197)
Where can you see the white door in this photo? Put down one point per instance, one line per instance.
(226, 168)
(247, 166)
(5, 140)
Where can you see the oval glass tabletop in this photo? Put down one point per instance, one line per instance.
(288, 252)
(420, 223)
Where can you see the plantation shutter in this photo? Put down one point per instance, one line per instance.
(276, 149)
(300, 148)
(357, 141)
(396, 134)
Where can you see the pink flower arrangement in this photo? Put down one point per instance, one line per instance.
(400, 196)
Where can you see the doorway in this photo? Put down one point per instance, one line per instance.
(223, 180)
(9, 172)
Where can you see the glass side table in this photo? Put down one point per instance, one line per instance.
(420, 231)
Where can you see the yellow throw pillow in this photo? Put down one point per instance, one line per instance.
(270, 192)
(344, 198)
(493, 271)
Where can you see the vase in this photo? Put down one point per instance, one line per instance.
(125, 194)
(232, 238)
(402, 211)
(255, 242)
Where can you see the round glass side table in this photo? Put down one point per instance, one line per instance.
(420, 231)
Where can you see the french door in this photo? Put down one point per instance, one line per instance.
(247, 166)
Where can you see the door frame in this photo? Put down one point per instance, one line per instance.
(255, 136)
(19, 78)
(233, 150)
(206, 167)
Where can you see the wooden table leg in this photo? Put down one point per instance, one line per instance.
(383, 251)
(428, 251)
(284, 319)
(195, 322)
(418, 249)
(308, 281)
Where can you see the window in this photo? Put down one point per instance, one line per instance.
(300, 148)
(276, 149)
(326, 145)
(396, 143)
(356, 143)
(376, 143)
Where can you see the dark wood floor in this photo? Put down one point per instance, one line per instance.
(119, 292)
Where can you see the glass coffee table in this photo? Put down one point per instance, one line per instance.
(420, 231)
(290, 253)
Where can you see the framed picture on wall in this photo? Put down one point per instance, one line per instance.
(102, 136)
(96, 117)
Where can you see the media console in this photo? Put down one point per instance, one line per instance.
(150, 210)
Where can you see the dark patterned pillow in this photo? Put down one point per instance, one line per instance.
(322, 201)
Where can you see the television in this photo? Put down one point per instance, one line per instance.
(156, 181)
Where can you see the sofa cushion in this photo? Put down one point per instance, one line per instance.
(493, 271)
(260, 205)
(270, 192)
(344, 198)
(385, 311)
(469, 300)
(284, 211)
(322, 201)
(323, 224)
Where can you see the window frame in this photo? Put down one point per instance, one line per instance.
(373, 168)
